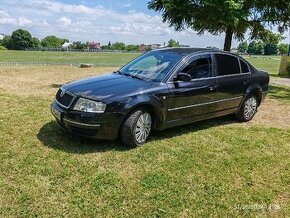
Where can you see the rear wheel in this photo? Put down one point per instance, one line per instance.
(136, 128)
(248, 109)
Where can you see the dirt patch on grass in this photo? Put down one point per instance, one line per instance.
(44, 82)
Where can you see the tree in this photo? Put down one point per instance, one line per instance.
(271, 41)
(118, 46)
(21, 39)
(79, 45)
(270, 49)
(283, 48)
(231, 17)
(173, 43)
(132, 48)
(35, 42)
(256, 48)
(243, 47)
(52, 42)
(6, 42)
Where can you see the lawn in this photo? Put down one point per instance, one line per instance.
(269, 63)
(219, 168)
(111, 59)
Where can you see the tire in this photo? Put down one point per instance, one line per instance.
(248, 109)
(136, 128)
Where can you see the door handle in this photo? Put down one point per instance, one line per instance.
(213, 87)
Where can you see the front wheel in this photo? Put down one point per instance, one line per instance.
(248, 109)
(136, 128)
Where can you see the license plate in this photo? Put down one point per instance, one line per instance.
(56, 113)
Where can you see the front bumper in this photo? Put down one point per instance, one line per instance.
(99, 126)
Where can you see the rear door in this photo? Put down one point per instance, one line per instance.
(233, 79)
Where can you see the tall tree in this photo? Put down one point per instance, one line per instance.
(52, 42)
(231, 17)
(6, 42)
(242, 47)
(256, 48)
(283, 48)
(21, 39)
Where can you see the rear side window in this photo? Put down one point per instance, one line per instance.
(244, 67)
(199, 67)
(227, 65)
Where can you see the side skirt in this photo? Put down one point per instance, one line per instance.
(178, 122)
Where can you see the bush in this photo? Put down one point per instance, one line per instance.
(2, 48)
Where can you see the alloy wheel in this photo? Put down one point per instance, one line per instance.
(143, 127)
(250, 107)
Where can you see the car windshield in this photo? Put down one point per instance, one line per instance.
(151, 66)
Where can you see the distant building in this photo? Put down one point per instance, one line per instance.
(66, 44)
(1, 36)
(154, 46)
(94, 45)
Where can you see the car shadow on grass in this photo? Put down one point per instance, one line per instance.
(52, 136)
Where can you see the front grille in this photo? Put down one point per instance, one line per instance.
(64, 98)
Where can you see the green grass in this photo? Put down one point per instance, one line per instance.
(269, 63)
(211, 168)
(67, 57)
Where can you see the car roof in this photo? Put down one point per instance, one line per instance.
(188, 51)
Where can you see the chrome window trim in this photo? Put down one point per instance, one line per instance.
(80, 124)
(214, 77)
(201, 104)
(247, 66)
(69, 93)
(184, 61)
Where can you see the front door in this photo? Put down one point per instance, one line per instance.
(187, 100)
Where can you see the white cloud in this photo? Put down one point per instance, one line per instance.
(64, 21)
(81, 22)
(23, 21)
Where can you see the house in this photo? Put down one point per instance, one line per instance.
(93, 45)
(154, 46)
(66, 45)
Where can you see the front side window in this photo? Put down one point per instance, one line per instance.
(200, 67)
(152, 66)
(227, 64)
(244, 67)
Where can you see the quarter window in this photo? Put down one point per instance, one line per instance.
(244, 67)
(227, 64)
(199, 68)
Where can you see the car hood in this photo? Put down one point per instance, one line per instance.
(107, 86)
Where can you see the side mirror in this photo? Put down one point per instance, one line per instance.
(184, 77)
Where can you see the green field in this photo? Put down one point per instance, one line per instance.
(113, 59)
(214, 168)
(269, 63)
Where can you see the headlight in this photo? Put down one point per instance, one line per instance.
(89, 106)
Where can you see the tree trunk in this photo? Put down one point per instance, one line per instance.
(228, 39)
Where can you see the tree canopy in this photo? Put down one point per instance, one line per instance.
(52, 42)
(232, 17)
(20, 39)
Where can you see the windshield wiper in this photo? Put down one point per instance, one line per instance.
(133, 76)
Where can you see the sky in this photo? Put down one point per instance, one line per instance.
(129, 21)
